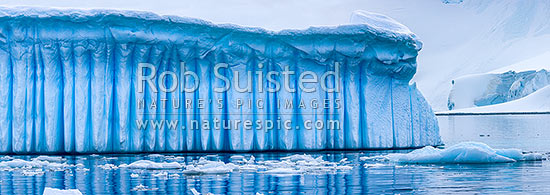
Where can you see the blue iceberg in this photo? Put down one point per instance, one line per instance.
(72, 81)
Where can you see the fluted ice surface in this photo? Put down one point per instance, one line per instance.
(68, 83)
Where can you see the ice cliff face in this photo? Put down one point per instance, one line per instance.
(69, 83)
(495, 88)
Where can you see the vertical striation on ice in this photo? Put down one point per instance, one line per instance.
(68, 83)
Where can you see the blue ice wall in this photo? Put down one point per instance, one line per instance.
(68, 83)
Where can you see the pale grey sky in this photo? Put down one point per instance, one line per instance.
(269, 14)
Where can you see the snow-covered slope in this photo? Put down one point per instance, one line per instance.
(493, 34)
(539, 62)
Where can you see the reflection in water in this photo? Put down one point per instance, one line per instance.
(527, 132)
(378, 178)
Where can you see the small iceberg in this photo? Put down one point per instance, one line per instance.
(210, 167)
(462, 153)
(141, 187)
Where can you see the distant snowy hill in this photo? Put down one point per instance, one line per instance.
(476, 37)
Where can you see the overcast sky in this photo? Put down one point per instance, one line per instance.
(269, 14)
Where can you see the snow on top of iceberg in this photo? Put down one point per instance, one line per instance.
(465, 152)
(383, 25)
(368, 23)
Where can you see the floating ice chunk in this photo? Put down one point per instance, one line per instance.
(533, 157)
(251, 167)
(277, 164)
(49, 158)
(147, 164)
(23, 164)
(19, 163)
(369, 165)
(82, 169)
(32, 172)
(6, 158)
(134, 175)
(108, 166)
(194, 191)
(298, 157)
(250, 160)
(512, 153)
(54, 191)
(141, 187)
(344, 160)
(163, 174)
(237, 158)
(466, 152)
(210, 167)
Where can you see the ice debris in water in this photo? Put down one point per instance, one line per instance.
(108, 166)
(35, 164)
(295, 164)
(147, 164)
(141, 187)
(204, 166)
(465, 152)
(6, 158)
(298, 164)
(54, 191)
(49, 158)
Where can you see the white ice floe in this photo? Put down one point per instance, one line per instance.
(162, 174)
(141, 187)
(57, 159)
(32, 172)
(54, 191)
(298, 157)
(6, 158)
(369, 165)
(301, 164)
(194, 191)
(108, 166)
(466, 152)
(34, 164)
(147, 164)
(237, 158)
(210, 167)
